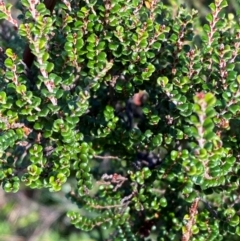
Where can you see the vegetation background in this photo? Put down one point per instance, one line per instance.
(40, 215)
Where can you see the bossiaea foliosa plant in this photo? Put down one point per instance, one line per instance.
(64, 109)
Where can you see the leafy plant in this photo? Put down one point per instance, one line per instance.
(59, 118)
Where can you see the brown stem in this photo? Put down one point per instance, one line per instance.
(28, 56)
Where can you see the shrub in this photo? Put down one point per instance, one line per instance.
(64, 116)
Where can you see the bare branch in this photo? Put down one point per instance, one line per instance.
(107, 157)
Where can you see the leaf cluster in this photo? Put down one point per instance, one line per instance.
(59, 121)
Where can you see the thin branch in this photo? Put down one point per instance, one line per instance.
(106, 157)
(110, 206)
(191, 220)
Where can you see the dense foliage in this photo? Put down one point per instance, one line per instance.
(64, 119)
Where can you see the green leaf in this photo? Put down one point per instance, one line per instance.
(101, 45)
(3, 97)
(173, 37)
(223, 4)
(9, 53)
(162, 81)
(42, 43)
(102, 57)
(32, 118)
(174, 155)
(113, 46)
(3, 15)
(91, 55)
(21, 89)
(234, 221)
(183, 107)
(208, 124)
(238, 231)
(8, 63)
(58, 124)
(148, 133)
(92, 39)
(156, 45)
(234, 108)
(91, 64)
(209, 17)
(68, 46)
(79, 43)
(44, 112)
(163, 202)
(210, 99)
(38, 126)
(212, 7)
(144, 43)
(50, 67)
(157, 140)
